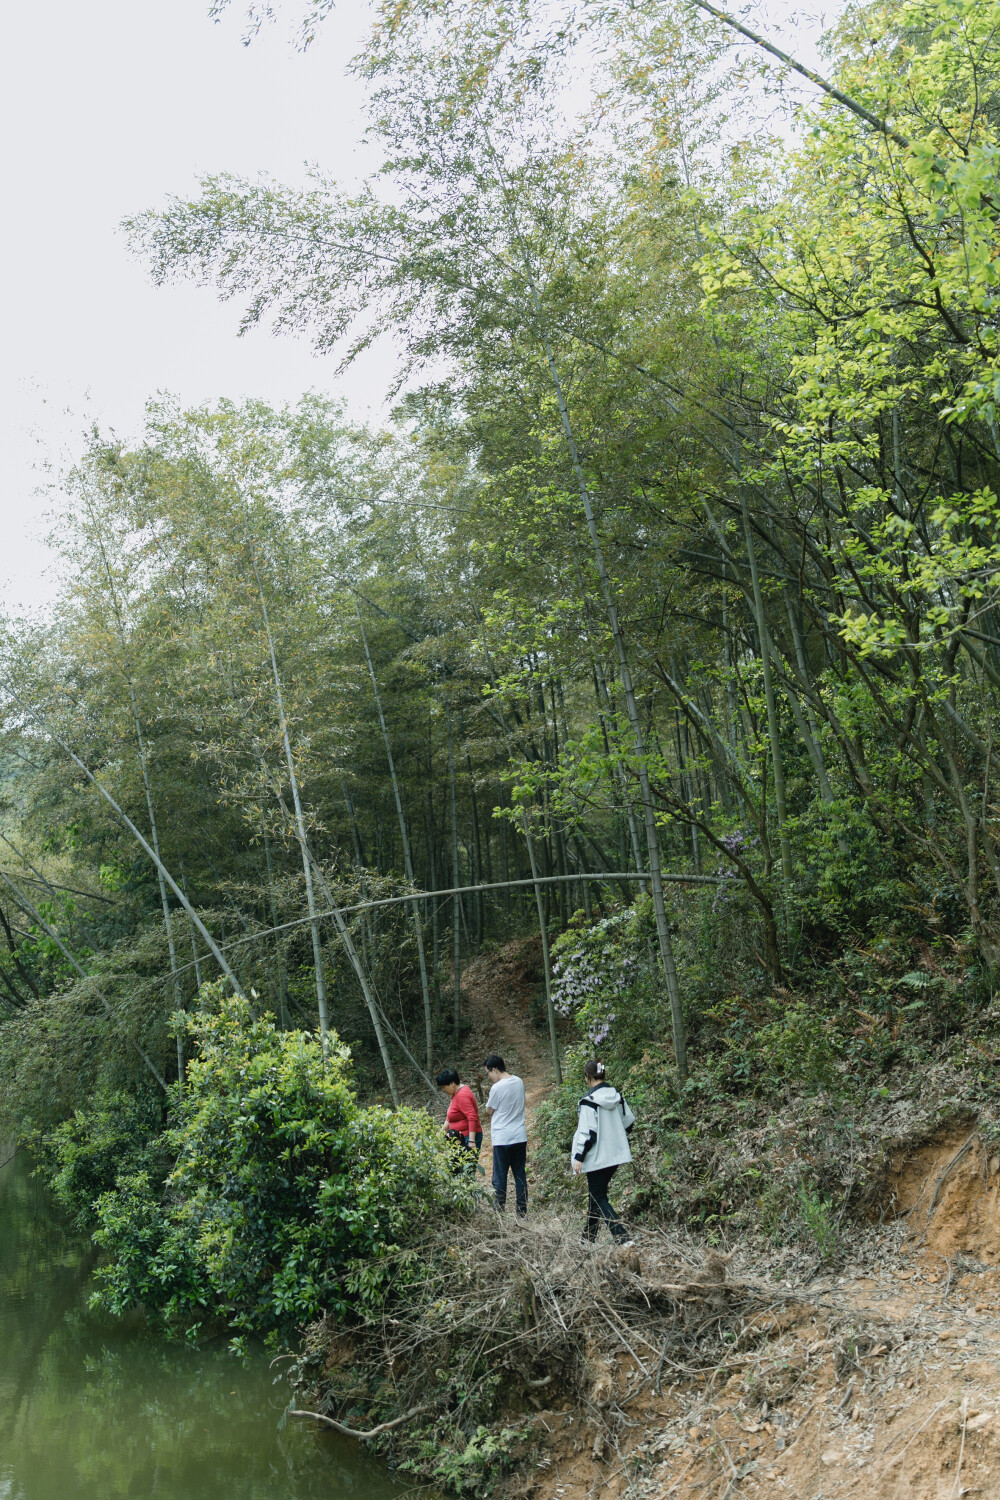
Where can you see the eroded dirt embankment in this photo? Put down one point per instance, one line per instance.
(882, 1381)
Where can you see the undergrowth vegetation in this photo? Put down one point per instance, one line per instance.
(271, 1197)
(800, 1098)
(658, 621)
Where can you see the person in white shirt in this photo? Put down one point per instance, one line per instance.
(508, 1133)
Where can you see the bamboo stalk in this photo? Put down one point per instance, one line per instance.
(147, 786)
(213, 946)
(407, 861)
(631, 705)
(456, 938)
(32, 911)
(300, 827)
(463, 890)
(352, 954)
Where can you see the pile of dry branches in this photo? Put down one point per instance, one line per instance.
(512, 1316)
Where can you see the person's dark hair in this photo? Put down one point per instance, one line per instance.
(594, 1070)
(447, 1075)
(496, 1062)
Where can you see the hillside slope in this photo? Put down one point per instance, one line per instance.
(881, 1381)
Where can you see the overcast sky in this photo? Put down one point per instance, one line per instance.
(106, 107)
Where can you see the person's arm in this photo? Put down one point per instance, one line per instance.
(489, 1108)
(627, 1116)
(583, 1140)
(470, 1113)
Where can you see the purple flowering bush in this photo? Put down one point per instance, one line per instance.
(593, 970)
(608, 985)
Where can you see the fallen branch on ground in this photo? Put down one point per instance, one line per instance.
(364, 1437)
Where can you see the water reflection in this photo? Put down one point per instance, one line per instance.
(92, 1411)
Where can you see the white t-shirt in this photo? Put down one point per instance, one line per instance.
(507, 1127)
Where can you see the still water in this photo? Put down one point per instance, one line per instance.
(91, 1410)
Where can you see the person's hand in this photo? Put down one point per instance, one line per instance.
(577, 1168)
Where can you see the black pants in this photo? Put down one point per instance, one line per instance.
(599, 1208)
(511, 1159)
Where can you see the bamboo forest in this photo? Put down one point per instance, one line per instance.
(604, 731)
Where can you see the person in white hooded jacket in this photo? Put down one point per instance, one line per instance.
(600, 1147)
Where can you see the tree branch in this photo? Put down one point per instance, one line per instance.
(882, 126)
(352, 1432)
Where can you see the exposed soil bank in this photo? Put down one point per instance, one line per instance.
(664, 1373)
(883, 1382)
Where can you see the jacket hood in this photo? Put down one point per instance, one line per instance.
(605, 1096)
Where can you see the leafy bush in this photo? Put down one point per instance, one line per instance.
(800, 1047)
(476, 1467)
(84, 1156)
(816, 1214)
(286, 1198)
(606, 980)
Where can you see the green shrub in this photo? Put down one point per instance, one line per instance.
(800, 1047)
(84, 1156)
(487, 1455)
(286, 1198)
(816, 1215)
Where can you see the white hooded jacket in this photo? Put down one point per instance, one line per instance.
(603, 1124)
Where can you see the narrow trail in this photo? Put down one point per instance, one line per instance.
(880, 1381)
(497, 992)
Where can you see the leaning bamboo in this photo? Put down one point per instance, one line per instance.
(463, 890)
(32, 911)
(143, 843)
(116, 609)
(403, 834)
(300, 827)
(358, 967)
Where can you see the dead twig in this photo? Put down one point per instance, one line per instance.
(364, 1437)
(961, 1452)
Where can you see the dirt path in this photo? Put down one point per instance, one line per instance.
(879, 1384)
(497, 991)
(882, 1383)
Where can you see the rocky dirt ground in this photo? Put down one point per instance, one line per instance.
(882, 1381)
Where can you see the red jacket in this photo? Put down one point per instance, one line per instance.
(463, 1115)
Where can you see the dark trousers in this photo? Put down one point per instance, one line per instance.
(599, 1208)
(511, 1159)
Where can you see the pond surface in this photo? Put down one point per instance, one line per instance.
(94, 1410)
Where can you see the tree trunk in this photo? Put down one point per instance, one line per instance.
(631, 706)
(418, 931)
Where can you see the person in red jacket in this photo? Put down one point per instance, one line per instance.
(462, 1120)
